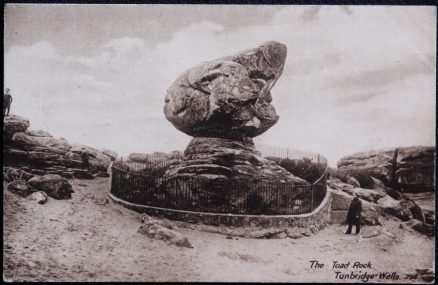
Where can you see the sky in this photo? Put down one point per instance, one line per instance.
(356, 78)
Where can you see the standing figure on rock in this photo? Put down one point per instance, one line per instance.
(7, 100)
(354, 214)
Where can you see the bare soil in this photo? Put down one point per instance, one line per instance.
(89, 238)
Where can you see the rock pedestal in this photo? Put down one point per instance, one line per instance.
(226, 159)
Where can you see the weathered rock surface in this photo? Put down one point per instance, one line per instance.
(369, 195)
(162, 230)
(410, 169)
(53, 185)
(228, 97)
(341, 202)
(38, 153)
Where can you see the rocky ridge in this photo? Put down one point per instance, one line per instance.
(39, 153)
(408, 169)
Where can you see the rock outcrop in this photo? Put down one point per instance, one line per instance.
(39, 153)
(228, 97)
(409, 169)
(378, 164)
(415, 169)
(380, 204)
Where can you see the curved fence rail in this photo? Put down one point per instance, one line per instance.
(146, 184)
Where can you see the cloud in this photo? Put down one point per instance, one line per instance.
(355, 78)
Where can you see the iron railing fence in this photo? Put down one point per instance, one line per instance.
(146, 184)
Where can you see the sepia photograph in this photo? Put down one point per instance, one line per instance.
(219, 143)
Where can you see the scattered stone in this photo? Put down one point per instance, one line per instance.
(53, 185)
(39, 196)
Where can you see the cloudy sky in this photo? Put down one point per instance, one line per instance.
(356, 77)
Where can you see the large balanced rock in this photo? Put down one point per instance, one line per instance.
(228, 97)
(53, 185)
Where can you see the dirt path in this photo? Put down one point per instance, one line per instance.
(86, 239)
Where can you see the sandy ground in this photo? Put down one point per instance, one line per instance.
(86, 239)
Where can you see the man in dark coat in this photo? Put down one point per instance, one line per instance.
(7, 100)
(353, 216)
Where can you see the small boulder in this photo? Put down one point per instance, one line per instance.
(40, 197)
(53, 185)
(162, 230)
